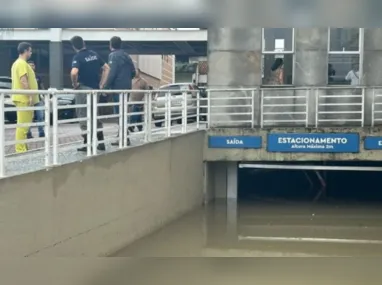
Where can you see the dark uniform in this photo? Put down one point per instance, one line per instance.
(122, 71)
(89, 65)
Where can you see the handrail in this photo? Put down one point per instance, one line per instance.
(185, 111)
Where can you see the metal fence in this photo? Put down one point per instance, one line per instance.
(161, 114)
(294, 107)
(165, 113)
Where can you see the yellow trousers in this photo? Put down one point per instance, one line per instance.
(23, 117)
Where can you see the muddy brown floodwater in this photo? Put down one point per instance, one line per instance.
(273, 229)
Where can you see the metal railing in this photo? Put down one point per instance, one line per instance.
(165, 113)
(328, 106)
(159, 115)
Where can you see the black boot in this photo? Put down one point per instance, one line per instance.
(101, 146)
(84, 148)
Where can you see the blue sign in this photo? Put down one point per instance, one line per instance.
(373, 143)
(235, 142)
(314, 143)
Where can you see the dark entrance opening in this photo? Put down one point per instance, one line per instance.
(305, 185)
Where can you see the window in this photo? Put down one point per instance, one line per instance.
(345, 47)
(278, 43)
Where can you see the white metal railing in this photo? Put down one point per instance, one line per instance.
(293, 106)
(157, 116)
(164, 113)
(341, 106)
(284, 106)
(376, 110)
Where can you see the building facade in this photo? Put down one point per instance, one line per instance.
(243, 57)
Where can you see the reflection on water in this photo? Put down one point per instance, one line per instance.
(219, 231)
(268, 230)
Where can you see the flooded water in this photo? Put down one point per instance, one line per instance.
(268, 229)
(251, 230)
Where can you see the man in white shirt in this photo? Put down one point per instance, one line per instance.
(353, 76)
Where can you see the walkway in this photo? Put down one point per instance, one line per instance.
(69, 139)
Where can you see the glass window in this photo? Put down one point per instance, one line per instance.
(278, 40)
(278, 56)
(343, 69)
(344, 40)
(345, 56)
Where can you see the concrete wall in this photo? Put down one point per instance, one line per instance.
(262, 154)
(234, 61)
(95, 207)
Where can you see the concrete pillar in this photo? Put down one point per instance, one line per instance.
(311, 64)
(222, 180)
(56, 59)
(234, 61)
(371, 68)
(223, 177)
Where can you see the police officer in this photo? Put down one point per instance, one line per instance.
(122, 71)
(86, 67)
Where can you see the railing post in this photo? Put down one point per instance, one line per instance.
(363, 108)
(317, 102)
(168, 114)
(148, 117)
(261, 108)
(308, 93)
(88, 124)
(373, 108)
(198, 110)
(125, 116)
(145, 112)
(184, 113)
(253, 109)
(2, 136)
(47, 129)
(120, 118)
(208, 115)
(94, 116)
(55, 128)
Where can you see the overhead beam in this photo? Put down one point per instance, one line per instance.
(186, 47)
(105, 35)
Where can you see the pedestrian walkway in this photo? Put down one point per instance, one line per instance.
(69, 140)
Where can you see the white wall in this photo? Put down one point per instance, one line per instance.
(151, 64)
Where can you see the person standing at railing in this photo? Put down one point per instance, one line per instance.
(122, 71)
(23, 78)
(39, 115)
(139, 83)
(86, 68)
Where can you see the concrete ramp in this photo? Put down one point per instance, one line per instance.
(97, 206)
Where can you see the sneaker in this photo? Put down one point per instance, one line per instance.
(29, 136)
(41, 135)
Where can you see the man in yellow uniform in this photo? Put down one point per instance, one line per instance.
(23, 78)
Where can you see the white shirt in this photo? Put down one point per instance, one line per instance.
(353, 76)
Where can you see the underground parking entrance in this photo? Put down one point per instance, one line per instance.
(321, 182)
(325, 208)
